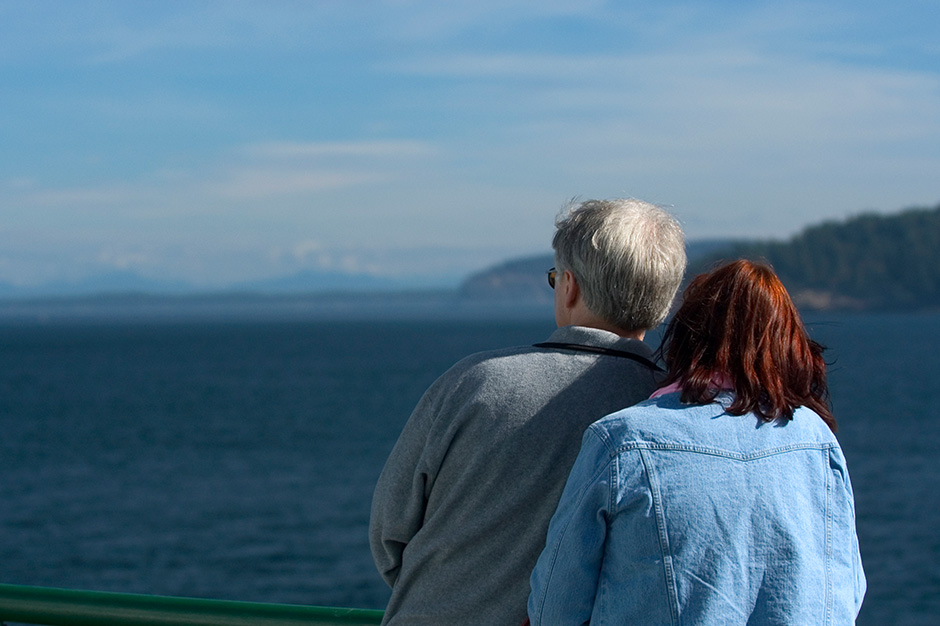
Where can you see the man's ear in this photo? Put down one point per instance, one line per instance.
(571, 290)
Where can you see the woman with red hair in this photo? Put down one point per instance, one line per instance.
(724, 498)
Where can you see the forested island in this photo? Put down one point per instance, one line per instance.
(870, 261)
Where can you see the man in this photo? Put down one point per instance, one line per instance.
(461, 509)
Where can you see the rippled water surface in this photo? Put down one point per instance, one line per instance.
(236, 460)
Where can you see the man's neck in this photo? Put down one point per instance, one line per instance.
(581, 316)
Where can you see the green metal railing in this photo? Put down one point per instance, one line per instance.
(68, 607)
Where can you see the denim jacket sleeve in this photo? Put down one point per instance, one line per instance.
(846, 519)
(564, 581)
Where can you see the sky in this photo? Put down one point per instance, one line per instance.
(222, 142)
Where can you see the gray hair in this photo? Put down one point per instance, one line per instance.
(627, 255)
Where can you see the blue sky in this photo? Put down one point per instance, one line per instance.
(216, 142)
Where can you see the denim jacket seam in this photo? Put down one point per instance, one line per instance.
(603, 435)
(829, 505)
(741, 456)
(564, 530)
(668, 566)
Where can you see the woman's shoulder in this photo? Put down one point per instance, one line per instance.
(660, 411)
(660, 418)
(665, 420)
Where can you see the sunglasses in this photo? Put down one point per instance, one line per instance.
(551, 277)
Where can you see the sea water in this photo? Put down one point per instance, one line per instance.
(235, 459)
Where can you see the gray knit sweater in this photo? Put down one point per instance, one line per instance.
(461, 509)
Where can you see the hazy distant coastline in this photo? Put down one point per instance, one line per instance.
(866, 262)
(242, 307)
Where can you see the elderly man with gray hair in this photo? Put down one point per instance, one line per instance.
(461, 509)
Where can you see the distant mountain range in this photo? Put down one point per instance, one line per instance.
(886, 262)
(127, 282)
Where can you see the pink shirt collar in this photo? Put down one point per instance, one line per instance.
(720, 381)
(667, 389)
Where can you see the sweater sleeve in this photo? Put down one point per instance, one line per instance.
(564, 581)
(400, 497)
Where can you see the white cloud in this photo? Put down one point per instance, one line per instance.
(726, 131)
(388, 125)
(284, 168)
(111, 31)
(76, 198)
(255, 184)
(303, 250)
(123, 259)
(378, 149)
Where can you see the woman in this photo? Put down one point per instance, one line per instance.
(725, 498)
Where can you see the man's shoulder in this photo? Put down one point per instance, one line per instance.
(563, 356)
(500, 360)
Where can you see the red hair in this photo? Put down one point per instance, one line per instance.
(737, 325)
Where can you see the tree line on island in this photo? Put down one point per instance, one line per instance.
(870, 261)
(866, 262)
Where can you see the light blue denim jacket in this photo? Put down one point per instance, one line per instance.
(679, 514)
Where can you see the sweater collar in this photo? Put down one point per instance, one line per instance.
(598, 338)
